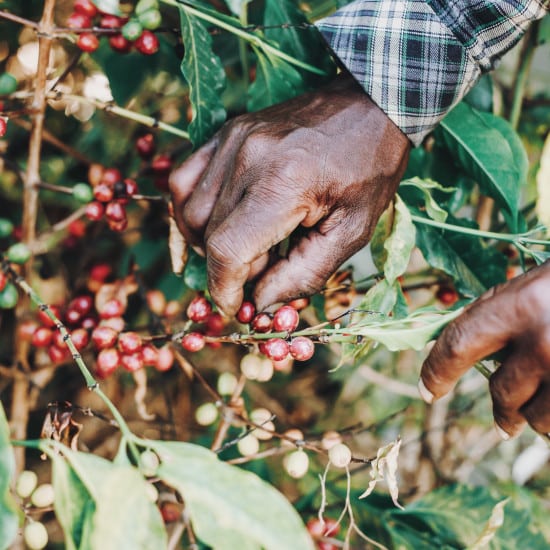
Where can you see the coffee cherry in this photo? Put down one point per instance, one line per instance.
(144, 5)
(193, 342)
(246, 312)
(26, 483)
(296, 464)
(82, 192)
(88, 42)
(156, 301)
(115, 211)
(3, 281)
(18, 253)
(286, 319)
(80, 338)
(111, 308)
(77, 229)
(6, 227)
(79, 21)
(94, 211)
(131, 187)
(199, 309)
(145, 146)
(248, 445)
(330, 439)
(3, 127)
(161, 164)
(8, 84)
(132, 30)
(57, 339)
(129, 342)
(206, 414)
(131, 362)
(85, 7)
(116, 323)
(83, 304)
(150, 19)
(43, 496)
(104, 337)
(73, 317)
(149, 463)
(9, 296)
(111, 22)
(110, 176)
(42, 337)
(262, 322)
(35, 535)
(150, 355)
(447, 295)
(107, 362)
(165, 359)
(45, 319)
(340, 455)
(118, 226)
(301, 348)
(58, 354)
(317, 528)
(170, 512)
(227, 382)
(276, 349)
(100, 272)
(103, 192)
(215, 324)
(26, 329)
(299, 303)
(89, 322)
(172, 309)
(147, 43)
(119, 44)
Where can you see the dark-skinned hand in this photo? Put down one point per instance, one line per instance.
(513, 317)
(320, 168)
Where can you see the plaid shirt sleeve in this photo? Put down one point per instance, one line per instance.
(416, 59)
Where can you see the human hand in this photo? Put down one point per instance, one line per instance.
(327, 162)
(513, 317)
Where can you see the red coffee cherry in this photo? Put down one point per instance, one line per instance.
(80, 338)
(145, 146)
(45, 320)
(118, 226)
(119, 44)
(110, 176)
(299, 303)
(79, 21)
(447, 295)
(94, 211)
(129, 342)
(3, 281)
(147, 43)
(215, 324)
(86, 7)
(262, 322)
(100, 272)
(161, 165)
(83, 304)
(58, 354)
(89, 322)
(301, 348)
(165, 359)
(103, 192)
(131, 362)
(104, 337)
(199, 309)
(131, 187)
(77, 228)
(246, 312)
(72, 316)
(111, 22)
(115, 211)
(286, 319)
(3, 126)
(107, 362)
(275, 348)
(112, 308)
(88, 42)
(42, 337)
(150, 355)
(193, 341)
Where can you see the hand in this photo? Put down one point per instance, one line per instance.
(327, 162)
(514, 317)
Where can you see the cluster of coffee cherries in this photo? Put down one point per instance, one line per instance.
(160, 165)
(111, 193)
(135, 32)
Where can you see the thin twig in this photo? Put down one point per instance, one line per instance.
(17, 19)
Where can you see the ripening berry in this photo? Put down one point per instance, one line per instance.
(301, 348)
(171, 512)
(111, 308)
(26, 329)
(147, 43)
(327, 528)
(118, 226)
(296, 464)
(299, 303)
(43, 496)
(262, 322)
(116, 323)
(199, 309)
(131, 362)
(132, 30)
(35, 535)
(149, 354)
(94, 211)
(129, 342)
(3, 126)
(206, 414)
(447, 295)
(193, 341)
(86, 7)
(107, 362)
(42, 337)
(104, 337)
(88, 42)
(3, 281)
(110, 176)
(26, 483)
(340, 455)
(246, 312)
(145, 146)
(172, 309)
(156, 301)
(103, 192)
(275, 348)
(165, 359)
(286, 319)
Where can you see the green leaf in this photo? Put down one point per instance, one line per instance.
(108, 6)
(236, 6)
(229, 507)
(194, 275)
(112, 500)
(206, 78)
(480, 97)
(276, 81)
(400, 243)
(426, 186)
(8, 510)
(381, 233)
(490, 151)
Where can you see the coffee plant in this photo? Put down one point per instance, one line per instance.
(134, 415)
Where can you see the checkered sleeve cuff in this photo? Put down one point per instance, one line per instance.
(417, 59)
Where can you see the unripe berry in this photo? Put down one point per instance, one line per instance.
(94, 211)
(330, 439)
(43, 496)
(26, 483)
(293, 434)
(104, 337)
(88, 42)
(165, 359)
(249, 445)
(8, 84)
(129, 342)
(147, 43)
(286, 319)
(301, 348)
(227, 382)
(131, 362)
(83, 193)
(6, 226)
(150, 19)
(18, 253)
(199, 309)
(132, 30)
(148, 463)
(275, 348)
(246, 312)
(9, 296)
(193, 341)
(107, 362)
(206, 414)
(340, 455)
(35, 535)
(251, 365)
(262, 322)
(296, 464)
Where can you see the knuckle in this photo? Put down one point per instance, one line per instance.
(500, 392)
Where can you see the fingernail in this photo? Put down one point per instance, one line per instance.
(505, 436)
(199, 251)
(425, 393)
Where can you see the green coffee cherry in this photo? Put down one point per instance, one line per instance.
(35, 535)
(6, 228)
(82, 192)
(150, 19)
(132, 30)
(26, 483)
(9, 297)
(146, 5)
(8, 84)
(18, 253)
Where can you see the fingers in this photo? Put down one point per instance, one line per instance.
(238, 247)
(537, 412)
(310, 262)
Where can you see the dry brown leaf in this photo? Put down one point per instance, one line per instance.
(140, 378)
(178, 248)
